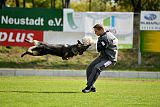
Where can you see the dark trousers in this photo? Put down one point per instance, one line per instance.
(94, 69)
(2, 3)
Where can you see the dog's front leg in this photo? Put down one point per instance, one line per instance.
(65, 56)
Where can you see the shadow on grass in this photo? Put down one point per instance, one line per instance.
(36, 92)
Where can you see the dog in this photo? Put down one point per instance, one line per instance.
(90, 41)
(65, 51)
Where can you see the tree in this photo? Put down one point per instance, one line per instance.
(153, 5)
(38, 3)
(2, 3)
(33, 3)
(67, 3)
(98, 5)
(138, 5)
(17, 3)
(24, 3)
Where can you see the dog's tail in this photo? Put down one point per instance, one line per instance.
(27, 41)
(35, 42)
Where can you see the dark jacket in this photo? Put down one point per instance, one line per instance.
(110, 46)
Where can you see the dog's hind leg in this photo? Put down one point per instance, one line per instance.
(26, 53)
(29, 51)
(31, 48)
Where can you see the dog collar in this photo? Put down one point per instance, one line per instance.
(74, 50)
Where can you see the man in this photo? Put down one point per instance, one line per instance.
(107, 46)
(2, 3)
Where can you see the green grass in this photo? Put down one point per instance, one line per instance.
(19, 91)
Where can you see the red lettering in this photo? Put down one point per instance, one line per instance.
(3, 36)
(10, 37)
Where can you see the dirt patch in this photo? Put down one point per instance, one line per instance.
(76, 78)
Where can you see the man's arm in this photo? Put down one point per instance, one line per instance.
(101, 45)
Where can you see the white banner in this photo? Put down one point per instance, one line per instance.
(73, 21)
(119, 23)
(150, 20)
(62, 37)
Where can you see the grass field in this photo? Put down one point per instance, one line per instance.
(27, 91)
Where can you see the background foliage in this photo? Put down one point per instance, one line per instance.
(94, 5)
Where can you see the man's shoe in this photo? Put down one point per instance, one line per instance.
(86, 90)
(93, 90)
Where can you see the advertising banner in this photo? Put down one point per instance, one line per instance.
(150, 41)
(119, 23)
(150, 20)
(73, 21)
(31, 18)
(62, 37)
(12, 37)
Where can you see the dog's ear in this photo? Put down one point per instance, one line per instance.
(79, 42)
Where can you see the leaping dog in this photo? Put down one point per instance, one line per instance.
(63, 50)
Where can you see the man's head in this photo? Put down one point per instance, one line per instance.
(99, 29)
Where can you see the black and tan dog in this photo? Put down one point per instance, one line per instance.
(63, 50)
